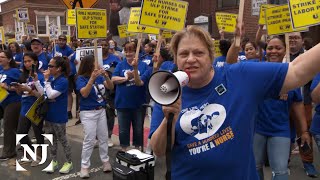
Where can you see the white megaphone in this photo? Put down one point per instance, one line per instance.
(165, 87)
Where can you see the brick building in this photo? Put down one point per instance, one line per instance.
(41, 13)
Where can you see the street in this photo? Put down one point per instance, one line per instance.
(75, 134)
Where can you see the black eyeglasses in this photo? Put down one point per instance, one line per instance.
(51, 66)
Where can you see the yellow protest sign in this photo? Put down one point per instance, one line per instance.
(164, 14)
(262, 17)
(304, 12)
(133, 24)
(31, 114)
(3, 94)
(226, 21)
(167, 34)
(71, 17)
(68, 38)
(11, 40)
(123, 31)
(3, 40)
(278, 21)
(217, 51)
(91, 23)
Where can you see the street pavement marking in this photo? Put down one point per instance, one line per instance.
(77, 174)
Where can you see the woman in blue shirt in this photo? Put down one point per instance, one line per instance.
(11, 104)
(31, 88)
(16, 52)
(56, 90)
(91, 84)
(213, 124)
(129, 98)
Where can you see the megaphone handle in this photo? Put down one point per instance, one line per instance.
(168, 148)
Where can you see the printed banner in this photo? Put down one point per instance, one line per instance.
(133, 24)
(164, 14)
(91, 23)
(123, 31)
(304, 13)
(22, 14)
(86, 51)
(262, 16)
(71, 17)
(226, 21)
(31, 114)
(279, 22)
(217, 51)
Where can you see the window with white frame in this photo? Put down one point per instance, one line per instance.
(45, 20)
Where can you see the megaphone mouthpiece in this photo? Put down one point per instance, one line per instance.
(169, 85)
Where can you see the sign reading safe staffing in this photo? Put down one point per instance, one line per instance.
(91, 23)
(164, 14)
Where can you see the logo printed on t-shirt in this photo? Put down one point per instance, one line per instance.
(203, 123)
(3, 77)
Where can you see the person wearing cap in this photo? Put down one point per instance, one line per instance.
(44, 58)
(62, 49)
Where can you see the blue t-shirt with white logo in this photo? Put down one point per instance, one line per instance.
(219, 61)
(94, 99)
(214, 133)
(128, 95)
(18, 57)
(315, 125)
(147, 58)
(58, 107)
(110, 61)
(8, 76)
(44, 59)
(65, 51)
(273, 115)
(27, 100)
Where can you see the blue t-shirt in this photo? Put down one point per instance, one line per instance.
(110, 61)
(18, 57)
(273, 115)
(58, 107)
(73, 69)
(214, 133)
(8, 76)
(44, 59)
(27, 100)
(94, 99)
(315, 125)
(147, 58)
(66, 51)
(219, 61)
(128, 95)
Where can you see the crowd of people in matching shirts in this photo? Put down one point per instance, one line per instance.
(266, 104)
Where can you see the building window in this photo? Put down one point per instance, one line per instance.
(228, 3)
(44, 22)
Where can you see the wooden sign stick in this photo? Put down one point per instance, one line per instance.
(138, 46)
(96, 64)
(287, 48)
(157, 53)
(240, 21)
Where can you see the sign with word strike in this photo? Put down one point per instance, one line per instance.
(133, 23)
(304, 13)
(164, 14)
(91, 23)
(262, 16)
(123, 31)
(226, 21)
(71, 17)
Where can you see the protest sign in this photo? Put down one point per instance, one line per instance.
(91, 23)
(22, 14)
(30, 30)
(18, 36)
(2, 37)
(304, 13)
(278, 21)
(123, 31)
(255, 6)
(32, 114)
(226, 21)
(86, 51)
(71, 17)
(133, 23)
(11, 40)
(164, 14)
(167, 34)
(3, 94)
(54, 31)
(217, 51)
(262, 15)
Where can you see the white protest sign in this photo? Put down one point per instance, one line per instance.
(54, 30)
(255, 6)
(86, 51)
